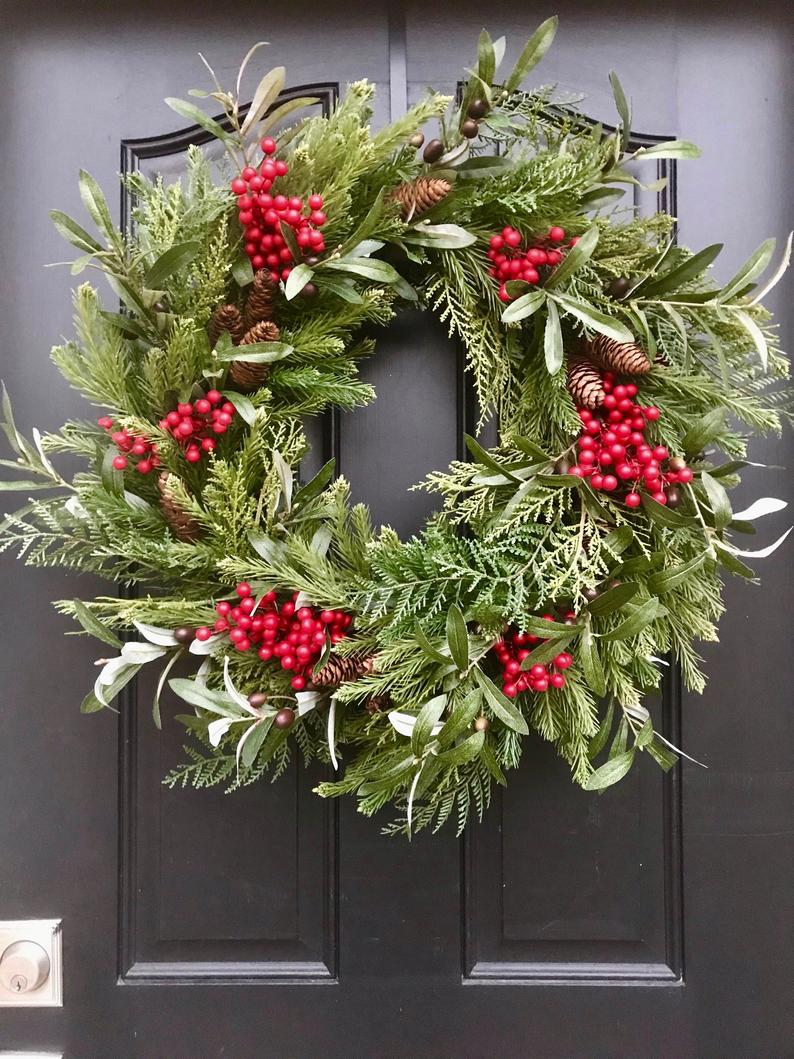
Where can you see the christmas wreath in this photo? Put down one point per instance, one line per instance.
(566, 561)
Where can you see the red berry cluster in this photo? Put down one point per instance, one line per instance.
(511, 651)
(514, 259)
(193, 424)
(295, 636)
(614, 453)
(130, 445)
(261, 214)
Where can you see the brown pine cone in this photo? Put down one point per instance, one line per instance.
(247, 374)
(585, 384)
(261, 300)
(625, 358)
(338, 670)
(226, 318)
(420, 195)
(378, 703)
(183, 525)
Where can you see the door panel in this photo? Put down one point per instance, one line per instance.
(270, 923)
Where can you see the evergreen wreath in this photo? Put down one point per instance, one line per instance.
(566, 560)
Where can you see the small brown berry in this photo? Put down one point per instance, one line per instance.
(677, 463)
(562, 466)
(417, 140)
(619, 287)
(482, 724)
(284, 718)
(184, 634)
(470, 128)
(433, 151)
(478, 108)
(591, 594)
(309, 291)
(673, 497)
(257, 699)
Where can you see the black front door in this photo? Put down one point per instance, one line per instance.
(651, 921)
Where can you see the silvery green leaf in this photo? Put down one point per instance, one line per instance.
(172, 260)
(156, 635)
(366, 248)
(750, 270)
(266, 94)
(756, 334)
(552, 340)
(265, 546)
(439, 236)
(93, 625)
(307, 701)
(217, 729)
(111, 670)
(593, 318)
(766, 505)
(610, 772)
(577, 256)
(669, 149)
(297, 280)
(534, 50)
(75, 508)
(778, 274)
(160, 685)
(331, 732)
(761, 553)
(137, 502)
(232, 691)
(139, 654)
(285, 477)
(404, 723)
(524, 306)
(321, 540)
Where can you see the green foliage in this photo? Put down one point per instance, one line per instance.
(515, 538)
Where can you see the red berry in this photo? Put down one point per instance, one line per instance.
(651, 413)
(563, 660)
(610, 483)
(120, 463)
(557, 680)
(541, 684)
(239, 186)
(553, 257)
(685, 475)
(144, 466)
(203, 633)
(556, 234)
(510, 690)
(243, 589)
(268, 145)
(248, 173)
(633, 500)
(105, 422)
(503, 294)
(660, 453)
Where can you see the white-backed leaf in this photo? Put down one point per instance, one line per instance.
(297, 280)
(761, 553)
(593, 318)
(552, 340)
(766, 505)
(205, 647)
(524, 306)
(331, 732)
(669, 149)
(756, 334)
(232, 691)
(156, 635)
(306, 701)
(138, 654)
(217, 729)
(266, 93)
(778, 274)
(750, 270)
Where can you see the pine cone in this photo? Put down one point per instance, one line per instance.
(226, 318)
(261, 300)
(625, 358)
(338, 670)
(183, 525)
(247, 374)
(420, 195)
(585, 384)
(378, 703)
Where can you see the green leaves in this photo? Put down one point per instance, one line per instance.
(636, 622)
(593, 318)
(623, 108)
(669, 149)
(674, 576)
(266, 94)
(591, 662)
(574, 259)
(613, 599)
(74, 234)
(439, 236)
(94, 626)
(534, 50)
(750, 270)
(610, 772)
(703, 431)
(503, 708)
(191, 112)
(457, 638)
(552, 340)
(297, 280)
(368, 268)
(170, 261)
(97, 207)
(676, 277)
(524, 306)
(756, 334)
(718, 500)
